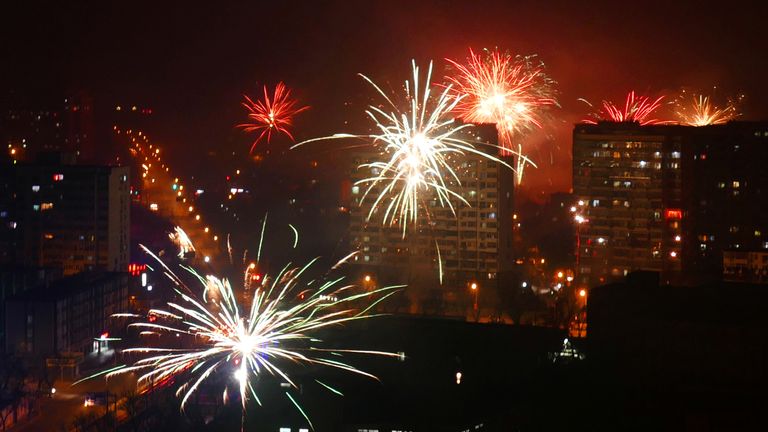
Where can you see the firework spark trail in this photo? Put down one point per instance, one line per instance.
(278, 327)
(699, 110)
(512, 92)
(636, 109)
(273, 114)
(418, 142)
(180, 239)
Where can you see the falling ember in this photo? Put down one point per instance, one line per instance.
(180, 239)
(418, 140)
(277, 329)
(271, 115)
(699, 110)
(636, 109)
(512, 92)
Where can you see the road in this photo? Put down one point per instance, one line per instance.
(176, 203)
(68, 403)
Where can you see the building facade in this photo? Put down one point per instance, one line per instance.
(474, 244)
(667, 198)
(67, 316)
(73, 217)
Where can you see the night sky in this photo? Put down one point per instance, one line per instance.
(192, 64)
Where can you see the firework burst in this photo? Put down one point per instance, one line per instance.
(636, 109)
(512, 92)
(699, 110)
(419, 141)
(270, 115)
(182, 241)
(238, 340)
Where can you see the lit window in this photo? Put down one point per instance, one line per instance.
(595, 203)
(721, 185)
(46, 206)
(35, 188)
(675, 155)
(355, 190)
(36, 207)
(758, 233)
(58, 177)
(735, 184)
(366, 258)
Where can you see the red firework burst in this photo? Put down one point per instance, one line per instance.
(271, 115)
(511, 92)
(636, 109)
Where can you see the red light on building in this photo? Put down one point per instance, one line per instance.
(136, 269)
(58, 177)
(673, 214)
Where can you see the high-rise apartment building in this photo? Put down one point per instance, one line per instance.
(472, 244)
(667, 198)
(67, 216)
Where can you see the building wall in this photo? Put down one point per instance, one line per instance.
(67, 316)
(628, 181)
(669, 198)
(68, 216)
(118, 245)
(475, 242)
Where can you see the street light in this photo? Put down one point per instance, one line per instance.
(367, 278)
(473, 286)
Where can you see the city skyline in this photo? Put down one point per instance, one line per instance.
(155, 55)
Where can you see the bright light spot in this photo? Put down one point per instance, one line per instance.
(149, 287)
(367, 278)
(525, 284)
(473, 286)
(677, 238)
(197, 217)
(582, 292)
(458, 377)
(207, 259)
(560, 275)
(673, 254)
(240, 375)
(191, 209)
(601, 240)
(581, 202)
(206, 229)
(569, 278)
(53, 390)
